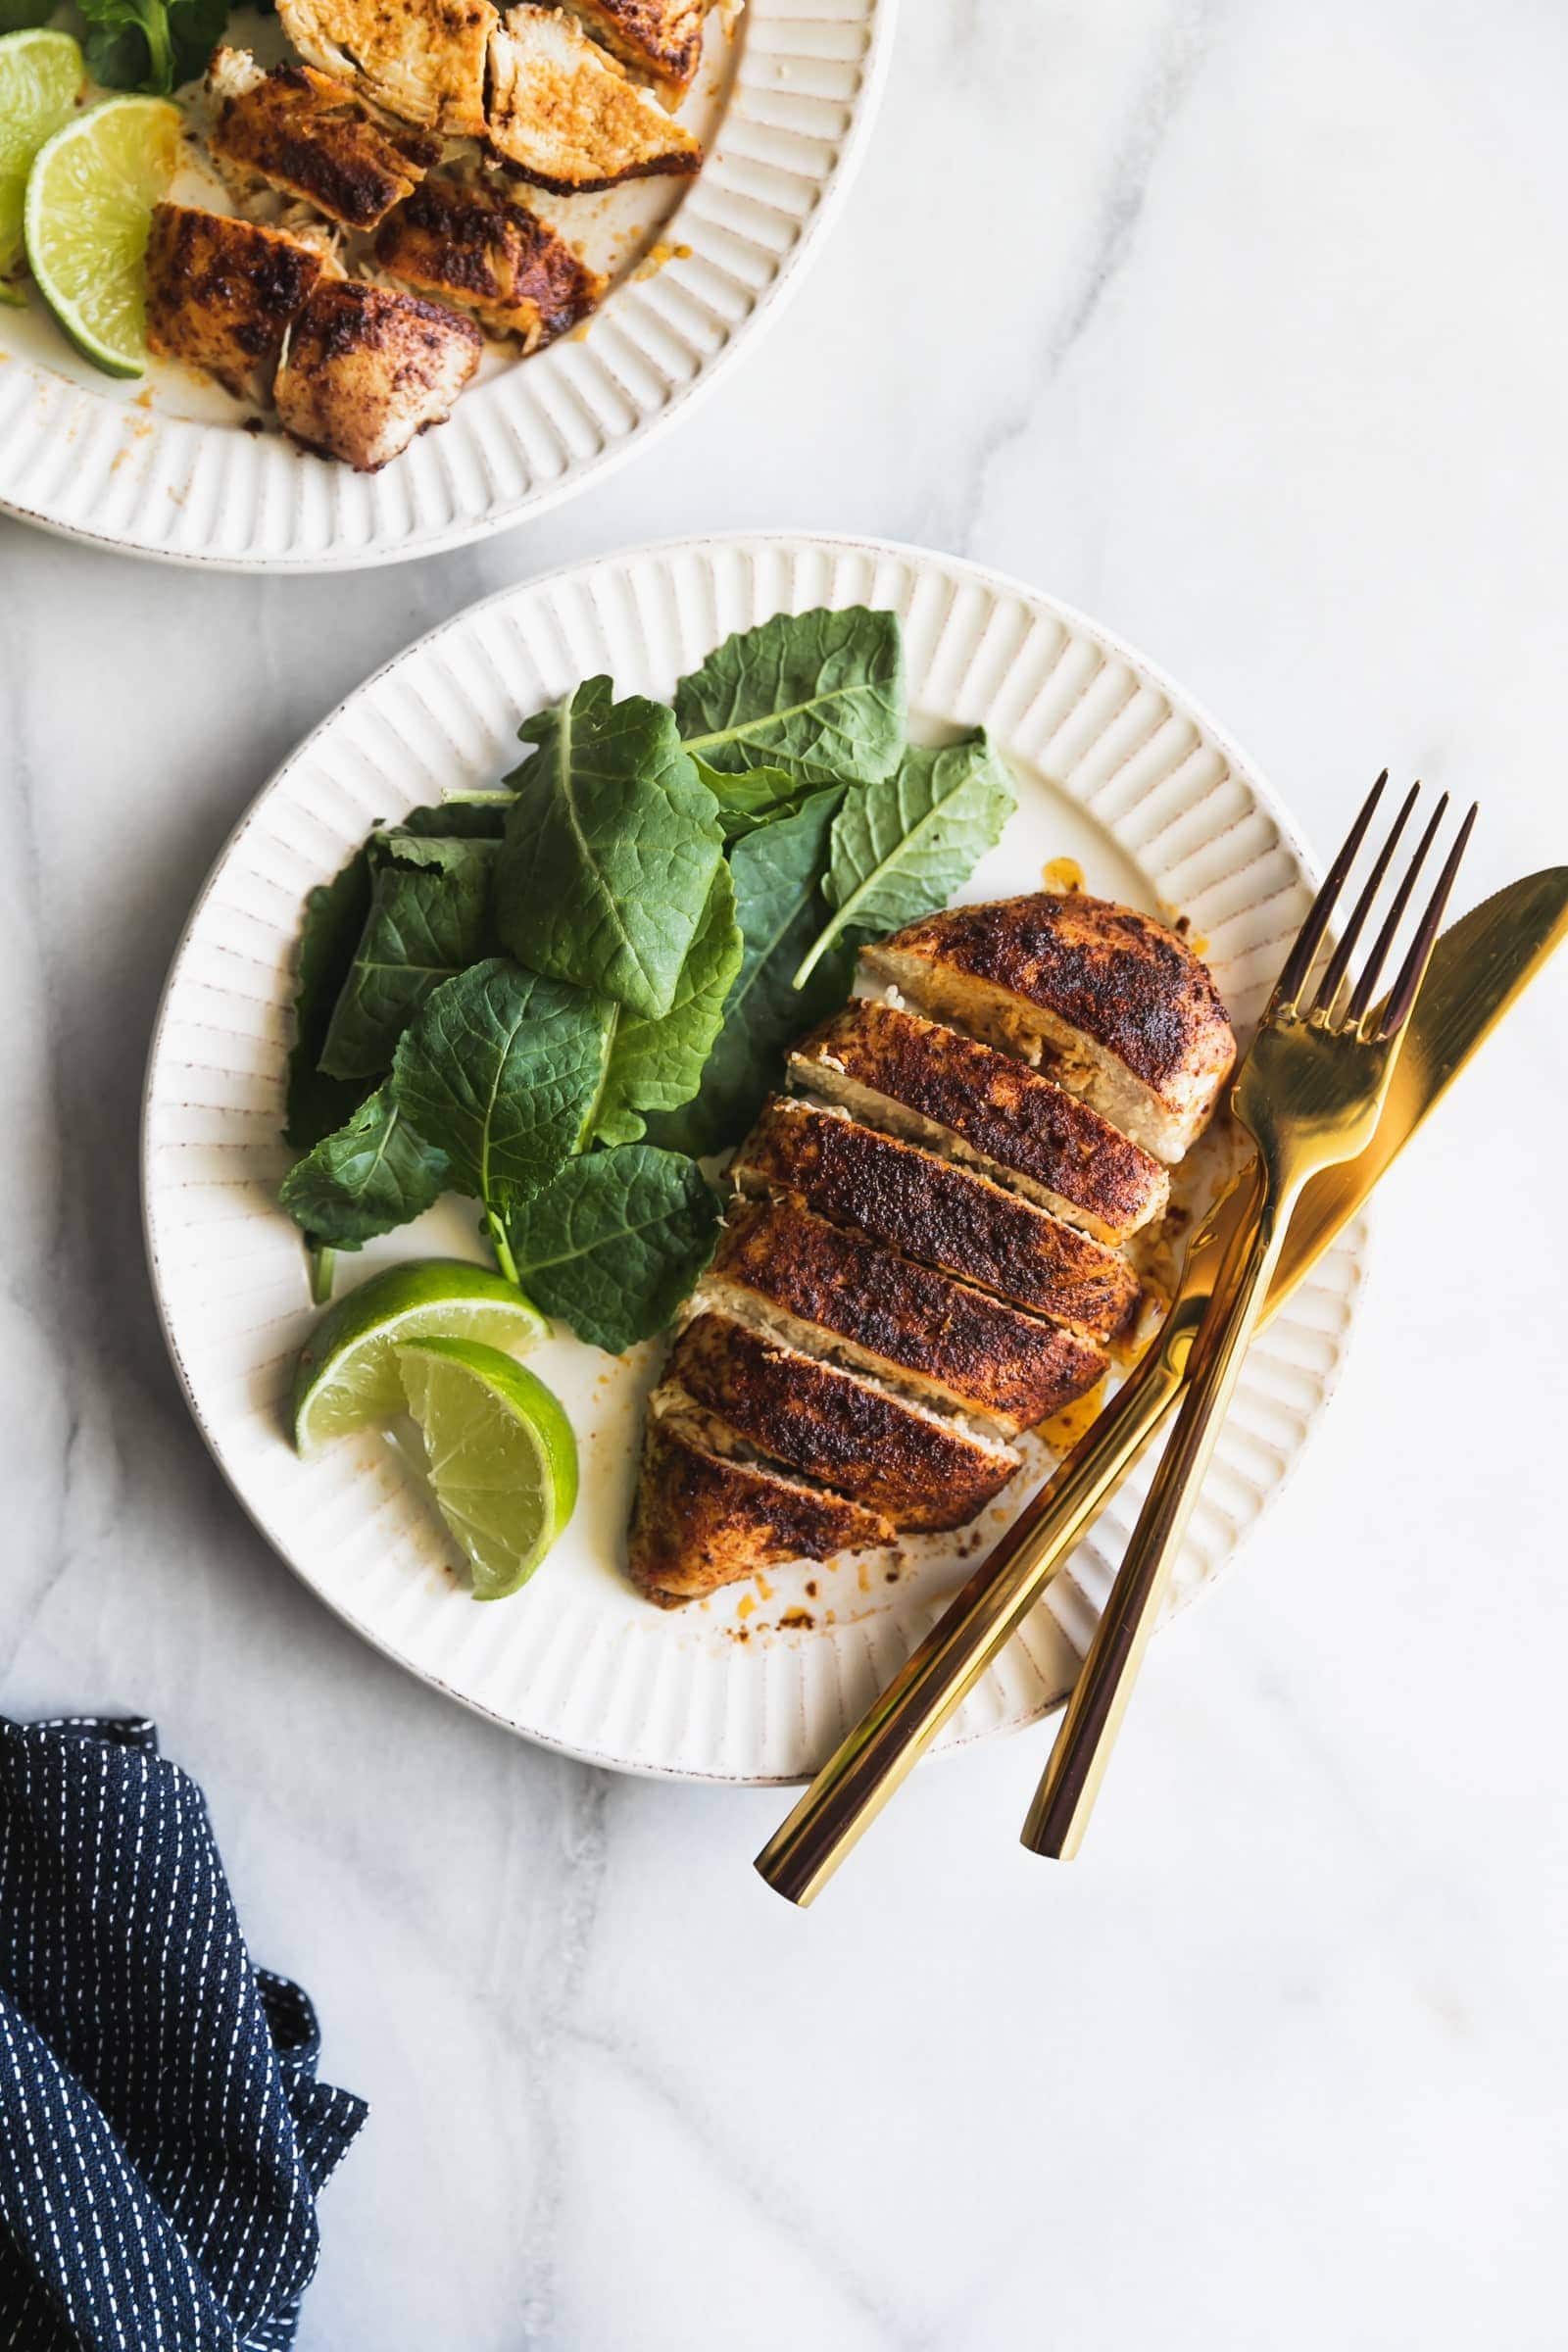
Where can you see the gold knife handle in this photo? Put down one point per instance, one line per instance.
(1065, 1798)
(884, 1747)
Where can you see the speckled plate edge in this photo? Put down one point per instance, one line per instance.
(806, 85)
(1059, 692)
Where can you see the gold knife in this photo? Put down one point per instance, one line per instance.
(1478, 970)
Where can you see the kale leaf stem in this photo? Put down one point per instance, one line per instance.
(501, 1247)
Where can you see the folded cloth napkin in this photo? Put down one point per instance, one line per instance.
(161, 2132)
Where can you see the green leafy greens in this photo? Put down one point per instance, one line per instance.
(428, 920)
(901, 846)
(373, 1174)
(505, 1068)
(679, 894)
(760, 796)
(334, 917)
(819, 695)
(779, 906)
(610, 850)
(153, 45)
(657, 1065)
(614, 1243)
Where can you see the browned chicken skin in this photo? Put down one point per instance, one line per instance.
(704, 1516)
(932, 1210)
(661, 38)
(303, 132)
(919, 1470)
(464, 243)
(222, 294)
(957, 1346)
(422, 61)
(896, 1069)
(924, 1270)
(1113, 1003)
(563, 115)
(367, 370)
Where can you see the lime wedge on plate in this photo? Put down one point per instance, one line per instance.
(347, 1374)
(499, 1452)
(40, 74)
(89, 201)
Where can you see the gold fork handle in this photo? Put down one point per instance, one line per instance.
(882, 1751)
(1067, 1794)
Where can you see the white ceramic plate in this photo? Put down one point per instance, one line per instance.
(1115, 768)
(166, 467)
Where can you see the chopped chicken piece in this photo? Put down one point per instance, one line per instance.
(661, 40)
(222, 294)
(705, 1515)
(421, 60)
(826, 1292)
(933, 1209)
(567, 116)
(307, 134)
(466, 243)
(1108, 1002)
(895, 1456)
(892, 1069)
(365, 370)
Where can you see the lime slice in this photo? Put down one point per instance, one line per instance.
(500, 1454)
(347, 1374)
(90, 197)
(40, 74)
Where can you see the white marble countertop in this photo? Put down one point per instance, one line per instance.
(1239, 326)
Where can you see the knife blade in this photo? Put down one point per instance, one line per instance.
(1478, 970)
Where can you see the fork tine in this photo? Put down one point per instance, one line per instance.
(1402, 995)
(1367, 983)
(1340, 963)
(1298, 963)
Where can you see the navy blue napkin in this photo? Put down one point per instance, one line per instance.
(161, 2132)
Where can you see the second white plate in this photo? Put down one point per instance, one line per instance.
(172, 467)
(1115, 768)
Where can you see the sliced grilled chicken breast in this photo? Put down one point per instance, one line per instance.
(894, 1069)
(222, 294)
(421, 60)
(935, 1210)
(466, 243)
(895, 1456)
(827, 1291)
(303, 132)
(367, 370)
(563, 115)
(662, 39)
(705, 1515)
(1113, 1003)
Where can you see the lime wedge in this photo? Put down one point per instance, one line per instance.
(40, 74)
(347, 1374)
(500, 1454)
(89, 202)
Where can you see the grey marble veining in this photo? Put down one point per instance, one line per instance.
(1238, 325)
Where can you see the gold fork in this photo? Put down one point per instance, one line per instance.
(1309, 1092)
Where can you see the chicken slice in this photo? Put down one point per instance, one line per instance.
(662, 39)
(222, 294)
(466, 243)
(935, 1210)
(1113, 1003)
(307, 134)
(826, 1292)
(566, 116)
(893, 1069)
(705, 1515)
(365, 370)
(421, 60)
(895, 1456)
